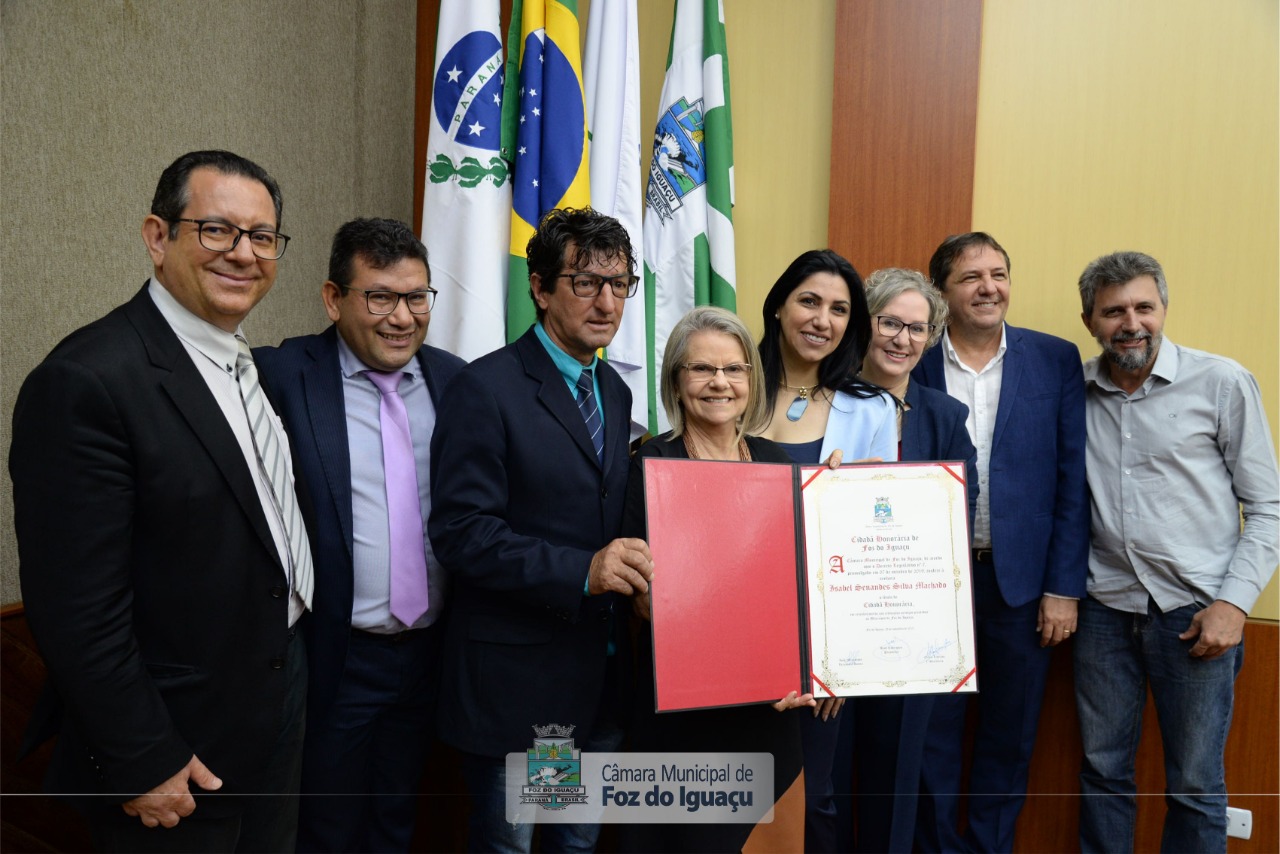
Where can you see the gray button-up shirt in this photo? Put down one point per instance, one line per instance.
(1170, 468)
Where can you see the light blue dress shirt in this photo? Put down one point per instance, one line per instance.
(371, 605)
(570, 368)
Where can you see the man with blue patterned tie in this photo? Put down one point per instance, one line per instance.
(360, 401)
(528, 475)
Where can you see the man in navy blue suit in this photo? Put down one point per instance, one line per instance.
(528, 475)
(1025, 393)
(373, 639)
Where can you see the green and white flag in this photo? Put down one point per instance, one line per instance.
(688, 226)
(467, 202)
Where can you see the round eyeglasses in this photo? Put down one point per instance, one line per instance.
(890, 326)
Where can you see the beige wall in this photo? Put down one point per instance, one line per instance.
(1148, 125)
(780, 72)
(320, 92)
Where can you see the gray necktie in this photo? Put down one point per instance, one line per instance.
(271, 463)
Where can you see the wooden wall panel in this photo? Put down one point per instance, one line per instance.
(423, 75)
(1049, 821)
(904, 117)
(28, 821)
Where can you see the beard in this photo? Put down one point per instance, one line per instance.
(1131, 360)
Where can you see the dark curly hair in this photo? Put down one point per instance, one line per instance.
(595, 237)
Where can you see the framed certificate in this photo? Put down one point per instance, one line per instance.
(771, 578)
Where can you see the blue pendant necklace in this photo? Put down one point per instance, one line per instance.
(796, 410)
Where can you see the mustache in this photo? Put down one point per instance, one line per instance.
(1130, 336)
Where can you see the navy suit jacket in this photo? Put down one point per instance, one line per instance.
(933, 429)
(151, 581)
(308, 378)
(519, 505)
(1036, 485)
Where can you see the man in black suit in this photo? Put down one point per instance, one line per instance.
(164, 562)
(528, 475)
(373, 665)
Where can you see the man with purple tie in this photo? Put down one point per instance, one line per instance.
(360, 401)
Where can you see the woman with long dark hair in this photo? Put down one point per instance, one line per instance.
(816, 332)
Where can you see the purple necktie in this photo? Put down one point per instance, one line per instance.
(404, 508)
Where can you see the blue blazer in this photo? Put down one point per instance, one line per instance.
(519, 506)
(1036, 486)
(934, 429)
(307, 375)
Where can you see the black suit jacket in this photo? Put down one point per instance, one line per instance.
(307, 378)
(519, 505)
(149, 575)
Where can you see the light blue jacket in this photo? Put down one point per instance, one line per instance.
(861, 427)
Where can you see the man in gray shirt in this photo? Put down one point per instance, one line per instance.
(1178, 449)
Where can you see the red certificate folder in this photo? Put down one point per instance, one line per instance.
(726, 599)
(730, 593)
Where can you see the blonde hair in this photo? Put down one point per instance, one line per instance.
(709, 318)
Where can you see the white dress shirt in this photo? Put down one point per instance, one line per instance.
(980, 391)
(214, 352)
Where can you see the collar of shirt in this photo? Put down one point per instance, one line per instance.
(351, 365)
(215, 344)
(569, 367)
(949, 350)
(1166, 368)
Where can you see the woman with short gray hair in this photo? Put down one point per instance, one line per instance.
(887, 743)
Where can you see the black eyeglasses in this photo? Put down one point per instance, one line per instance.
(218, 236)
(890, 327)
(386, 302)
(590, 285)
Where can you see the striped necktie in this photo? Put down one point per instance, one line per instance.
(591, 412)
(271, 463)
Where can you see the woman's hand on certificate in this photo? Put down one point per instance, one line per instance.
(794, 700)
(837, 457)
